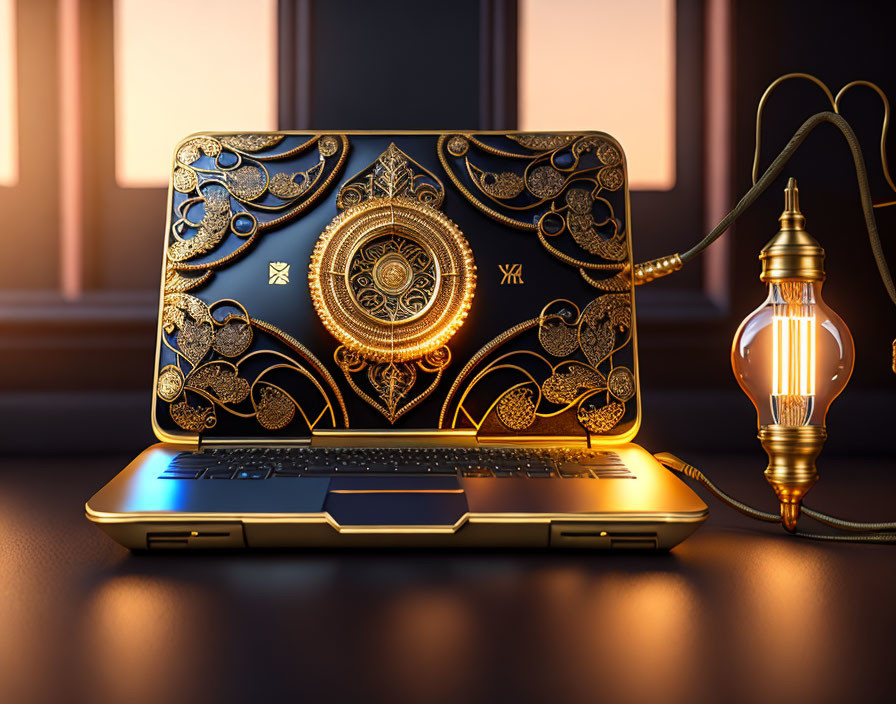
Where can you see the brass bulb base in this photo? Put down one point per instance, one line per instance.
(792, 451)
(792, 254)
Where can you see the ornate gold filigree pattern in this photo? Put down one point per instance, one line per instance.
(170, 383)
(621, 383)
(350, 321)
(554, 189)
(566, 387)
(275, 409)
(516, 409)
(198, 384)
(594, 392)
(458, 145)
(542, 142)
(233, 193)
(391, 382)
(600, 419)
(393, 174)
(251, 142)
(545, 181)
(392, 279)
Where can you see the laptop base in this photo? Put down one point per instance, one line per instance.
(645, 507)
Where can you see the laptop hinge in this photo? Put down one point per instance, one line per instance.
(207, 443)
(392, 438)
(535, 440)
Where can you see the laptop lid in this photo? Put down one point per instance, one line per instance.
(357, 283)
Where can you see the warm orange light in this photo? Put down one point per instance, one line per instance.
(599, 64)
(183, 67)
(793, 355)
(9, 136)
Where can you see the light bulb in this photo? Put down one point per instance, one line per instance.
(792, 356)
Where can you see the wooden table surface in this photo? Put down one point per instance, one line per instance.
(738, 613)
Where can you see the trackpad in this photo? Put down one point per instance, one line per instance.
(395, 501)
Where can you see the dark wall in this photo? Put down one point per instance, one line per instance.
(399, 64)
(838, 42)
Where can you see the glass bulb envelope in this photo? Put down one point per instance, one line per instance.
(793, 355)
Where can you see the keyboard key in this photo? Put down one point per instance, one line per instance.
(258, 463)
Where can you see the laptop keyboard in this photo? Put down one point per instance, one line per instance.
(254, 463)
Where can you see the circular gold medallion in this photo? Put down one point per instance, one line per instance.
(393, 274)
(392, 278)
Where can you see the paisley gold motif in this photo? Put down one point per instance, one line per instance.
(170, 383)
(227, 184)
(283, 186)
(176, 307)
(221, 379)
(545, 181)
(566, 387)
(233, 337)
(621, 383)
(600, 419)
(608, 154)
(212, 228)
(189, 151)
(611, 178)
(616, 306)
(275, 410)
(184, 179)
(515, 409)
(194, 340)
(247, 182)
(557, 338)
(565, 166)
(192, 418)
(198, 329)
(504, 186)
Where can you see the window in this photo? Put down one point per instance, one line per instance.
(563, 44)
(9, 137)
(231, 47)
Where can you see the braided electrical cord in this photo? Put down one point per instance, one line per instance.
(676, 464)
(847, 525)
(881, 538)
(774, 170)
(870, 532)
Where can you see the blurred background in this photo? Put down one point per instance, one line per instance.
(94, 94)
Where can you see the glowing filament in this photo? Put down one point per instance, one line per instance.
(793, 361)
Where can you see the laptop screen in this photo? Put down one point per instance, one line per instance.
(471, 282)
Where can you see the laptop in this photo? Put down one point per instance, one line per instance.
(397, 339)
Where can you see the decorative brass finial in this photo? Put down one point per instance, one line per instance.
(791, 464)
(792, 254)
(792, 218)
